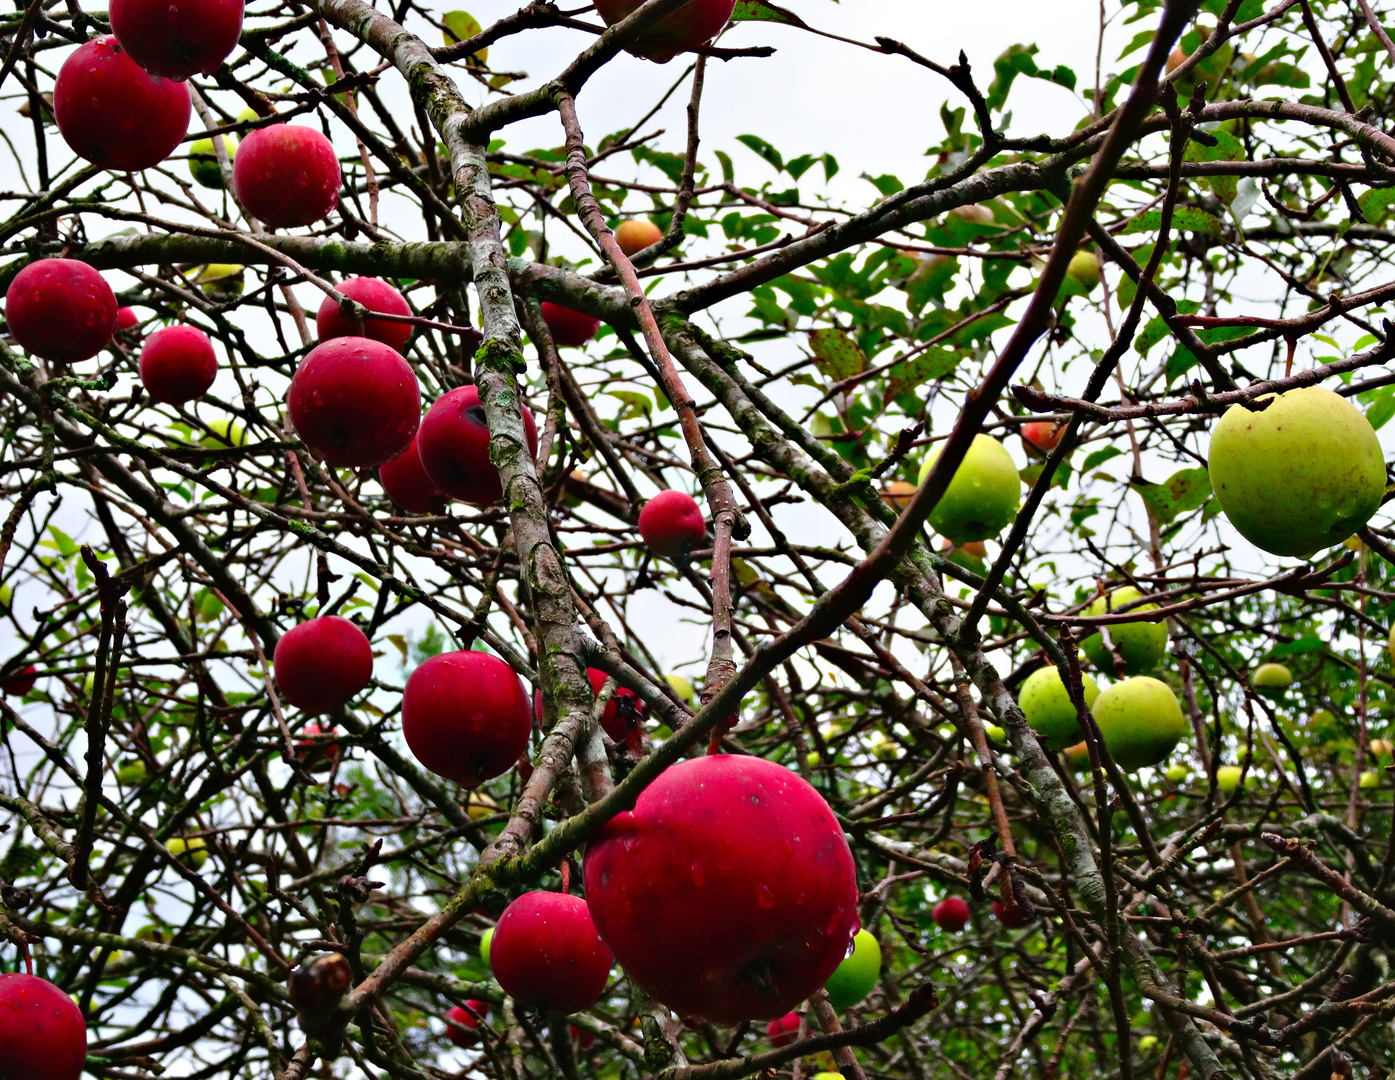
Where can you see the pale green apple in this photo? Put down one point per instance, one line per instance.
(225, 432)
(7, 596)
(1142, 644)
(220, 279)
(1369, 779)
(132, 774)
(1300, 476)
(1390, 642)
(854, 978)
(1048, 708)
(192, 852)
(1178, 773)
(1140, 720)
(1147, 1043)
(680, 686)
(982, 497)
(1381, 748)
(1228, 779)
(203, 161)
(1085, 269)
(485, 939)
(997, 737)
(1271, 680)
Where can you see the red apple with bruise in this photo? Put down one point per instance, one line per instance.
(177, 364)
(177, 40)
(355, 402)
(546, 952)
(42, 1033)
(61, 310)
(322, 663)
(454, 447)
(286, 175)
(374, 295)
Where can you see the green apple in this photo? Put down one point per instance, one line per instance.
(1048, 708)
(1077, 757)
(1140, 720)
(828, 1076)
(983, 495)
(1228, 778)
(132, 774)
(682, 687)
(1142, 644)
(973, 214)
(203, 161)
(192, 852)
(7, 597)
(220, 279)
(1085, 270)
(1271, 680)
(1300, 476)
(485, 939)
(1369, 779)
(1380, 748)
(997, 737)
(1178, 773)
(224, 431)
(854, 978)
(1147, 1043)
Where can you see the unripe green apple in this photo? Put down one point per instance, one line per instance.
(1140, 720)
(1302, 475)
(225, 432)
(1147, 1043)
(680, 686)
(1271, 680)
(203, 161)
(854, 978)
(1369, 779)
(1048, 708)
(132, 773)
(1228, 778)
(1141, 644)
(1390, 643)
(7, 596)
(192, 852)
(997, 737)
(982, 497)
(1085, 269)
(485, 939)
(220, 279)
(1178, 773)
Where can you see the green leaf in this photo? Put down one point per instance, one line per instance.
(1099, 457)
(636, 404)
(764, 149)
(1183, 492)
(1302, 645)
(1381, 410)
(1184, 219)
(462, 26)
(762, 11)
(1375, 204)
(838, 355)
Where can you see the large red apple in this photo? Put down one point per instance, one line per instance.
(322, 663)
(355, 402)
(671, 523)
(695, 23)
(728, 892)
(466, 716)
(546, 952)
(114, 113)
(464, 1022)
(42, 1033)
(569, 328)
(177, 364)
(375, 295)
(454, 447)
(175, 39)
(61, 310)
(407, 484)
(286, 175)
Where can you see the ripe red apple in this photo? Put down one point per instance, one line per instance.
(322, 663)
(569, 328)
(20, 682)
(695, 23)
(784, 1031)
(286, 175)
(466, 716)
(728, 892)
(42, 1033)
(671, 523)
(454, 447)
(355, 402)
(584, 1039)
(623, 712)
(1042, 436)
(126, 318)
(464, 1022)
(951, 914)
(636, 234)
(114, 113)
(61, 310)
(318, 756)
(1016, 919)
(177, 364)
(546, 952)
(375, 295)
(407, 484)
(177, 40)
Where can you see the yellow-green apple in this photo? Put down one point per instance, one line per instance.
(1140, 720)
(1142, 644)
(983, 495)
(1048, 708)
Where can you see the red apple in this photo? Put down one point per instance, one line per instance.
(114, 113)
(286, 175)
(454, 447)
(728, 892)
(635, 235)
(1013, 920)
(355, 402)
(671, 523)
(319, 756)
(177, 364)
(466, 716)
(42, 1033)
(569, 328)
(1042, 436)
(546, 952)
(464, 1022)
(623, 712)
(695, 23)
(322, 663)
(375, 295)
(177, 40)
(951, 914)
(20, 682)
(407, 484)
(784, 1031)
(61, 310)
(126, 318)
(584, 1039)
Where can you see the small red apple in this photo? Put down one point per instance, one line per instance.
(951, 914)
(454, 447)
(695, 23)
(623, 712)
(318, 756)
(20, 681)
(464, 1022)
(42, 1033)
(355, 402)
(114, 113)
(177, 364)
(671, 523)
(466, 716)
(546, 952)
(748, 852)
(177, 40)
(1042, 436)
(1015, 919)
(636, 234)
(584, 1039)
(569, 328)
(784, 1031)
(322, 663)
(286, 175)
(61, 310)
(126, 318)
(374, 295)
(407, 484)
